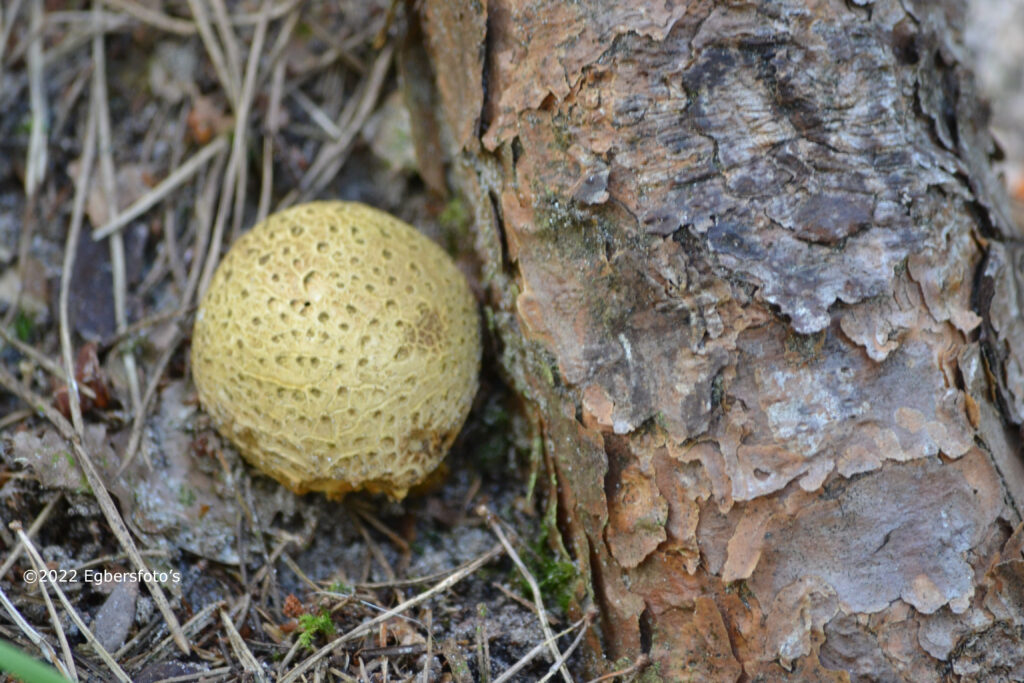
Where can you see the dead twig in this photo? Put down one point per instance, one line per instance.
(14, 418)
(522, 601)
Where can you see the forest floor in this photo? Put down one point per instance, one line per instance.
(136, 143)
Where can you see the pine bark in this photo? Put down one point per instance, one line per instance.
(754, 277)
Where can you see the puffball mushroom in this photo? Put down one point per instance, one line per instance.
(338, 348)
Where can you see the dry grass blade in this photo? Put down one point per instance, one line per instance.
(171, 245)
(205, 221)
(213, 49)
(367, 626)
(42, 582)
(142, 407)
(236, 164)
(108, 175)
(35, 165)
(522, 601)
(275, 12)
(317, 115)
(242, 109)
(230, 42)
(483, 650)
(37, 357)
(8, 16)
(153, 17)
(272, 125)
(559, 664)
(297, 570)
(245, 657)
(80, 34)
(332, 155)
(179, 176)
(33, 529)
(534, 588)
(273, 61)
(70, 252)
(221, 673)
(425, 674)
(106, 503)
(69, 609)
(33, 635)
(140, 325)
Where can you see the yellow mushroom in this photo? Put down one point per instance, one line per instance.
(338, 348)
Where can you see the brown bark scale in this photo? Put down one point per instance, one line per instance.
(750, 266)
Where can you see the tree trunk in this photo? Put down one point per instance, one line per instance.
(749, 265)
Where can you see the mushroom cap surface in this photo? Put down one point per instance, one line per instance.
(338, 348)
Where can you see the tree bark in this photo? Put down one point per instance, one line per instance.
(750, 267)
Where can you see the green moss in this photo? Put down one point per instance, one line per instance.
(651, 674)
(313, 624)
(186, 496)
(556, 576)
(455, 216)
(24, 326)
(455, 222)
(549, 376)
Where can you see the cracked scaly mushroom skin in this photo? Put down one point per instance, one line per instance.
(338, 348)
